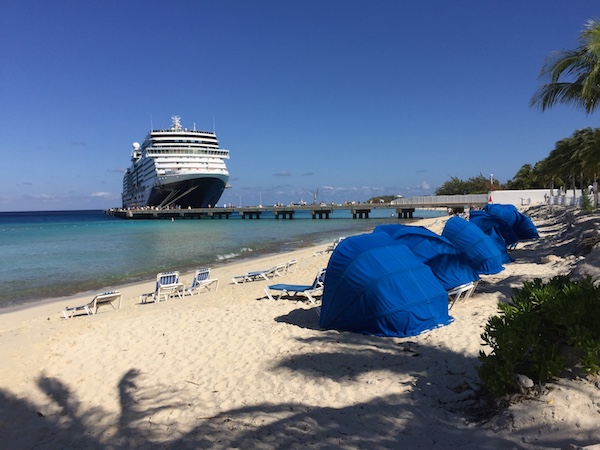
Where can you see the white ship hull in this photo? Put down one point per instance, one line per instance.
(176, 168)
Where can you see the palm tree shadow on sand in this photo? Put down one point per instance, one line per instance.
(67, 423)
(431, 411)
(428, 414)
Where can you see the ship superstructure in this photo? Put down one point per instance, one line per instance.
(176, 168)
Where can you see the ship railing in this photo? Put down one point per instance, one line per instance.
(442, 200)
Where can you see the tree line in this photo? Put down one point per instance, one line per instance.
(574, 163)
(569, 77)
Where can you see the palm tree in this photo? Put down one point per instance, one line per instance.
(577, 156)
(522, 179)
(559, 165)
(581, 66)
(541, 176)
(588, 153)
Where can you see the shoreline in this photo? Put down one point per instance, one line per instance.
(58, 277)
(142, 286)
(244, 260)
(233, 369)
(188, 270)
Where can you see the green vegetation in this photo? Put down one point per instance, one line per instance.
(586, 202)
(574, 159)
(535, 334)
(569, 77)
(553, 326)
(574, 163)
(572, 77)
(474, 185)
(526, 178)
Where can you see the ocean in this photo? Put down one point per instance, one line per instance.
(59, 253)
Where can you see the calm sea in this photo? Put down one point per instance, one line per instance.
(60, 253)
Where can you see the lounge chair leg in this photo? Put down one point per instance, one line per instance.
(269, 294)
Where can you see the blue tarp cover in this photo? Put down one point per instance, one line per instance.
(487, 221)
(480, 249)
(522, 226)
(501, 233)
(447, 262)
(375, 285)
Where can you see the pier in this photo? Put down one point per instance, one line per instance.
(404, 208)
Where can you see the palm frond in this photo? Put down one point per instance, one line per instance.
(572, 77)
(551, 94)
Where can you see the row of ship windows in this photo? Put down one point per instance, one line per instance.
(193, 144)
(204, 145)
(169, 165)
(192, 151)
(190, 141)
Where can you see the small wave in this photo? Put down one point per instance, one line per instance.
(227, 256)
(232, 255)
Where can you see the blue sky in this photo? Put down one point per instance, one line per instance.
(354, 98)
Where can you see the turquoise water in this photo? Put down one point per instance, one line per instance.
(54, 254)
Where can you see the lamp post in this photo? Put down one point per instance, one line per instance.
(491, 181)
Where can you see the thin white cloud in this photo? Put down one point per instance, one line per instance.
(283, 173)
(38, 197)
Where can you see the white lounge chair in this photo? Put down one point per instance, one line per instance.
(331, 247)
(276, 271)
(335, 244)
(202, 280)
(167, 284)
(106, 298)
(291, 266)
(310, 291)
(462, 292)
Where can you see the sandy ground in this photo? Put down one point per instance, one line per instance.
(233, 369)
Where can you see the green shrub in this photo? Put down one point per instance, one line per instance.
(533, 332)
(586, 201)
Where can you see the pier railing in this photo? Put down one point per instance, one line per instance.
(446, 201)
(404, 208)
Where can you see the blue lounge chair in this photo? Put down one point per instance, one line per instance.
(107, 298)
(202, 280)
(167, 284)
(310, 291)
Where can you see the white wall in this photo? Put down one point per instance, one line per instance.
(528, 197)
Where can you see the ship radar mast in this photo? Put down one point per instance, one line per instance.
(176, 123)
(136, 153)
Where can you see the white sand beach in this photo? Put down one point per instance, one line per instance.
(233, 369)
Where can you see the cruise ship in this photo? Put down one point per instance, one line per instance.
(176, 168)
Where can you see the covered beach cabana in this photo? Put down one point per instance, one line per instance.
(374, 285)
(481, 251)
(447, 263)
